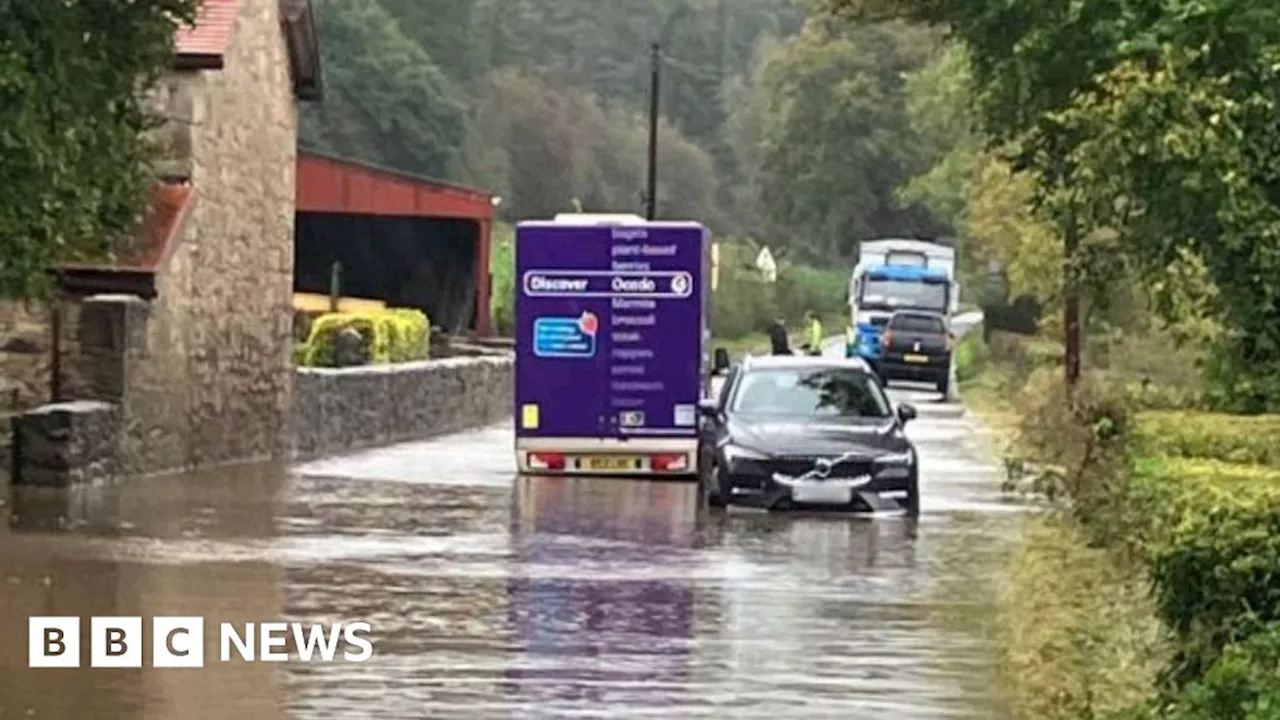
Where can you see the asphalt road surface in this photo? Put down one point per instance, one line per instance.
(496, 597)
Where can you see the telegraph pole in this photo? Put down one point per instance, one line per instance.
(651, 188)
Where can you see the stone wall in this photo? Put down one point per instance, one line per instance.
(217, 370)
(342, 409)
(239, 300)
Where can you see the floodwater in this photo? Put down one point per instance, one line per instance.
(532, 598)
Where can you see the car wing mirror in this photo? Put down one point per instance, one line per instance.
(906, 413)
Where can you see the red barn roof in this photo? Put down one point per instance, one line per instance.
(201, 46)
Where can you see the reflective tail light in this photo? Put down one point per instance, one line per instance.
(886, 339)
(546, 461)
(951, 341)
(669, 463)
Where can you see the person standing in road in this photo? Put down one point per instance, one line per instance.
(779, 343)
(812, 333)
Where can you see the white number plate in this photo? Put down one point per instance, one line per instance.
(825, 493)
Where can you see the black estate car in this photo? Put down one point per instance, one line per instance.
(791, 432)
(916, 346)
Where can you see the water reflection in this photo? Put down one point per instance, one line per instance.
(617, 637)
(542, 597)
(57, 558)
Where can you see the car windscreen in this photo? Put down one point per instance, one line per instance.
(917, 324)
(905, 293)
(818, 392)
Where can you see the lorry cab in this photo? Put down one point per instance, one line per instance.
(885, 289)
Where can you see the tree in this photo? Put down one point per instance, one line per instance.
(388, 101)
(74, 153)
(1150, 117)
(837, 143)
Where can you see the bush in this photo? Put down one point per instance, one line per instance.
(1214, 436)
(1080, 447)
(1242, 683)
(388, 336)
(971, 356)
(1215, 554)
(502, 267)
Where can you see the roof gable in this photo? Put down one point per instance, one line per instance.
(201, 46)
(204, 44)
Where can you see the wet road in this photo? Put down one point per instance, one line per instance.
(534, 598)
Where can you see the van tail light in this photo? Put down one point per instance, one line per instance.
(887, 339)
(669, 463)
(951, 341)
(546, 461)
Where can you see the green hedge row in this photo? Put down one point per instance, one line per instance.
(387, 336)
(1212, 542)
(1216, 436)
(1195, 498)
(1208, 523)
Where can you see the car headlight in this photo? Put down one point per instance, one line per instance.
(737, 453)
(902, 458)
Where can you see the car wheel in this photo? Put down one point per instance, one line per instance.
(944, 385)
(711, 487)
(912, 505)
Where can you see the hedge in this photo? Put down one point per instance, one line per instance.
(1195, 498)
(1209, 484)
(388, 336)
(1215, 436)
(1213, 544)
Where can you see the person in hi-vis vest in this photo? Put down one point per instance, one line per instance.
(812, 333)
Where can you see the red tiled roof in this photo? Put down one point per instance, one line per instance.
(207, 41)
(168, 204)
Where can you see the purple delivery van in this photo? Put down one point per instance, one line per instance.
(611, 333)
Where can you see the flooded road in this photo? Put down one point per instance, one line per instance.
(534, 598)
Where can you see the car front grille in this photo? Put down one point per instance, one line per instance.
(796, 466)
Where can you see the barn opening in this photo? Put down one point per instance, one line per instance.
(415, 262)
(402, 240)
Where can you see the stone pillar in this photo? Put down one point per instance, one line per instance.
(112, 338)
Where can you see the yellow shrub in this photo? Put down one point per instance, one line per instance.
(1211, 436)
(389, 336)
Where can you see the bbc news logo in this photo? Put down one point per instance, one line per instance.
(178, 642)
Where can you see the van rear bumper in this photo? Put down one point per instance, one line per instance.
(653, 456)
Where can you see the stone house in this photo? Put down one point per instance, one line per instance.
(190, 341)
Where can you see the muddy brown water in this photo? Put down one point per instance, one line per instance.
(530, 598)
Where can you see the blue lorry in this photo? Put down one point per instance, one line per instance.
(894, 275)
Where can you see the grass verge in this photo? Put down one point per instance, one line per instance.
(1082, 639)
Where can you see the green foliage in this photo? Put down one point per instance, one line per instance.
(1240, 685)
(388, 336)
(1213, 436)
(73, 147)
(837, 142)
(387, 101)
(502, 268)
(971, 356)
(1154, 123)
(541, 146)
(1215, 560)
